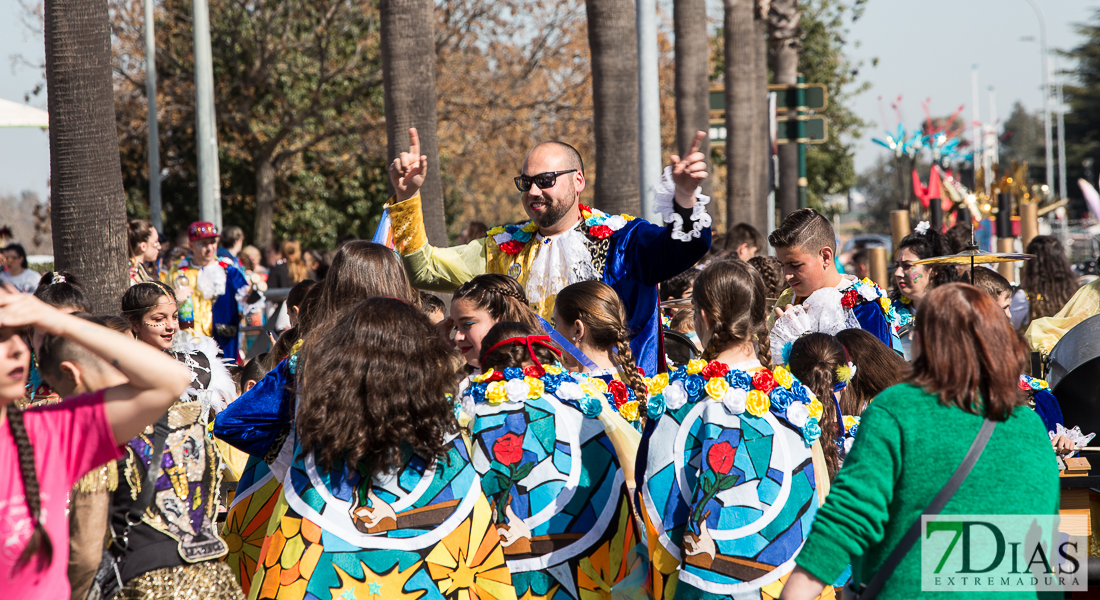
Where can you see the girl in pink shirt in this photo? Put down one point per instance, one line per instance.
(45, 450)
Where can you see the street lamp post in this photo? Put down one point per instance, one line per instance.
(1045, 65)
(151, 95)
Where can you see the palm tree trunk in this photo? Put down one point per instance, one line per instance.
(784, 33)
(612, 41)
(88, 207)
(265, 201)
(743, 113)
(692, 77)
(408, 74)
(762, 153)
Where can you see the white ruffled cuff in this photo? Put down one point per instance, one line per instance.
(245, 306)
(664, 198)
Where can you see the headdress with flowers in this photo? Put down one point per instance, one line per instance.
(749, 394)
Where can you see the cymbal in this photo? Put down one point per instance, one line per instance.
(974, 257)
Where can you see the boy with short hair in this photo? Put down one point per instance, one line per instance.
(806, 247)
(744, 241)
(994, 284)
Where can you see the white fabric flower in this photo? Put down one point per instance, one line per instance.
(569, 390)
(675, 395)
(922, 227)
(797, 414)
(502, 238)
(868, 293)
(517, 390)
(735, 400)
(615, 222)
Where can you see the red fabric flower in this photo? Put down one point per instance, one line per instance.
(496, 376)
(849, 299)
(584, 208)
(715, 369)
(618, 392)
(763, 381)
(508, 449)
(1023, 385)
(600, 232)
(720, 457)
(535, 371)
(512, 247)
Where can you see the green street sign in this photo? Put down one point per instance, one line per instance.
(817, 129)
(817, 97)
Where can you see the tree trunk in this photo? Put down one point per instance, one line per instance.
(744, 144)
(692, 78)
(408, 74)
(762, 156)
(612, 41)
(265, 201)
(88, 207)
(784, 35)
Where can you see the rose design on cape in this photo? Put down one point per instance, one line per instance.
(508, 453)
(717, 478)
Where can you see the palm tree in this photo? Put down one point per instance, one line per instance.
(746, 115)
(612, 40)
(408, 74)
(783, 30)
(692, 77)
(88, 205)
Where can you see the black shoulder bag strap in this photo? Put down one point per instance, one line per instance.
(872, 588)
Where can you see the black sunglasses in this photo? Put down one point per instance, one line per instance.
(543, 180)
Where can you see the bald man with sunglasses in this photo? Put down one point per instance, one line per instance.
(565, 242)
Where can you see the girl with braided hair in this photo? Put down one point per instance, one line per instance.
(482, 302)
(821, 363)
(45, 450)
(591, 314)
(725, 469)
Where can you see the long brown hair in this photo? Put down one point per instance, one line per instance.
(734, 297)
(966, 352)
(598, 306)
(295, 266)
(500, 296)
(1048, 279)
(39, 546)
(359, 270)
(814, 360)
(375, 378)
(877, 368)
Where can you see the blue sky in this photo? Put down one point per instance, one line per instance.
(924, 48)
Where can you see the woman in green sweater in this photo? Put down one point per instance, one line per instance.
(914, 435)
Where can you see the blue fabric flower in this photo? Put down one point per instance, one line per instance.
(811, 431)
(594, 220)
(511, 373)
(292, 364)
(631, 395)
(799, 392)
(655, 406)
(677, 375)
(739, 379)
(695, 386)
(550, 382)
(522, 236)
(781, 399)
(787, 352)
(591, 406)
(477, 390)
(512, 229)
(853, 430)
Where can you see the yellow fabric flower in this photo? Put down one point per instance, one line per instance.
(815, 409)
(483, 377)
(783, 376)
(599, 384)
(629, 411)
(589, 388)
(495, 393)
(884, 302)
(530, 227)
(627, 217)
(758, 403)
(695, 366)
(716, 387)
(537, 388)
(296, 347)
(495, 231)
(657, 383)
(850, 422)
(553, 369)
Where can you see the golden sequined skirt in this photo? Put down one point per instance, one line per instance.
(210, 580)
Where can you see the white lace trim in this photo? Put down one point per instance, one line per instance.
(563, 261)
(221, 390)
(820, 313)
(211, 281)
(664, 195)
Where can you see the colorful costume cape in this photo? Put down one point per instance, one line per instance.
(553, 479)
(630, 255)
(424, 532)
(726, 479)
(259, 421)
(219, 314)
(246, 523)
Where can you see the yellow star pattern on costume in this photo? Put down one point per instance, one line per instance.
(470, 561)
(373, 584)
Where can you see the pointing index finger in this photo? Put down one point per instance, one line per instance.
(414, 142)
(699, 135)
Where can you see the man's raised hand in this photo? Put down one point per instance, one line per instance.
(407, 170)
(689, 171)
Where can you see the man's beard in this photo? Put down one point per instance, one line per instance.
(554, 212)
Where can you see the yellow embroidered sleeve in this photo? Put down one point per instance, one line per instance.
(1043, 334)
(431, 268)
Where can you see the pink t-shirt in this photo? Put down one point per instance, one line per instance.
(70, 439)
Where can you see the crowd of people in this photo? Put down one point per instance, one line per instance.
(534, 434)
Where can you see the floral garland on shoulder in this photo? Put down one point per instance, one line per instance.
(756, 392)
(512, 239)
(1032, 384)
(519, 385)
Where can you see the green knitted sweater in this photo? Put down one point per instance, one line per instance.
(907, 447)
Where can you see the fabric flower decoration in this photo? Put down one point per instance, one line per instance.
(815, 409)
(655, 406)
(657, 383)
(477, 390)
(714, 369)
(783, 376)
(850, 422)
(739, 379)
(694, 386)
(591, 406)
(735, 400)
(757, 403)
(600, 232)
(799, 391)
(522, 236)
(517, 390)
(629, 411)
(617, 389)
(599, 384)
(554, 369)
(495, 231)
(716, 387)
(550, 383)
(513, 373)
(849, 299)
(868, 290)
(534, 371)
(781, 399)
(570, 390)
(534, 387)
(675, 395)
(530, 227)
(615, 222)
(502, 237)
(1023, 384)
(495, 393)
(695, 366)
(811, 431)
(797, 414)
(512, 247)
(764, 381)
(483, 377)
